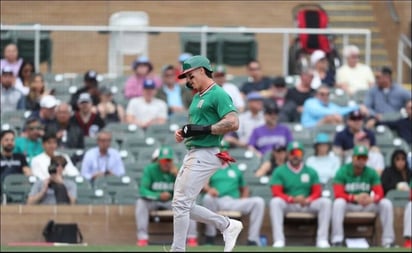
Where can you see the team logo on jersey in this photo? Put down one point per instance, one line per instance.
(200, 103)
(304, 178)
(231, 173)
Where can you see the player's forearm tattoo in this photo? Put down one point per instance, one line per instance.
(229, 123)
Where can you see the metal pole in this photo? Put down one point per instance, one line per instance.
(37, 47)
(368, 49)
(203, 41)
(400, 64)
(285, 54)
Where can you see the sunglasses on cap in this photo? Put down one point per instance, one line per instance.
(296, 153)
(361, 157)
(165, 161)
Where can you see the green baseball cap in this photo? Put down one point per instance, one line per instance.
(224, 145)
(294, 145)
(195, 62)
(360, 150)
(165, 152)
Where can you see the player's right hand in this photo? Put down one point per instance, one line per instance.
(178, 136)
(165, 196)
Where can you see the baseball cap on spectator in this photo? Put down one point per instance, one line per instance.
(142, 60)
(90, 75)
(360, 150)
(105, 91)
(6, 70)
(279, 82)
(149, 84)
(356, 115)
(84, 97)
(165, 152)
(221, 69)
(271, 108)
(322, 138)
(386, 70)
(184, 56)
(224, 145)
(316, 56)
(278, 147)
(254, 95)
(48, 102)
(294, 145)
(167, 67)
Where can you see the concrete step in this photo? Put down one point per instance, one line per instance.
(358, 7)
(352, 18)
(341, 13)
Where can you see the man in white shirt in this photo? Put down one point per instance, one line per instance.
(41, 162)
(219, 76)
(353, 75)
(146, 110)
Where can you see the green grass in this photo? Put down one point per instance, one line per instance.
(119, 248)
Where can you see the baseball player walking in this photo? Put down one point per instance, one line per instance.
(211, 115)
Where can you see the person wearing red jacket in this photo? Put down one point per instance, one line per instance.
(407, 221)
(296, 188)
(357, 188)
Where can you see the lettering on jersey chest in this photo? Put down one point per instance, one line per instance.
(357, 186)
(162, 186)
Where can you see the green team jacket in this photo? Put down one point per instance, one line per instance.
(154, 182)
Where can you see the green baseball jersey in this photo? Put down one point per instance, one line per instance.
(227, 181)
(154, 181)
(356, 184)
(295, 182)
(208, 109)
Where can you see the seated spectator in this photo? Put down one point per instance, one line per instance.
(227, 190)
(219, 76)
(322, 74)
(68, 133)
(11, 98)
(11, 163)
(24, 77)
(401, 126)
(54, 189)
(397, 176)
(301, 92)
(108, 109)
(89, 122)
(248, 120)
(352, 186)
(278, 91)
(178, 97)
(319, 110)
(41, 162)
(91, 86)
(36, 92)
(386, 96)
(272, 160)
(296, 188)
(353, 75)
(156, 192)
(407, 221)
(47, 112)
(102, 160)
(29, 144)
(324, 161)
(142, 70)
(344, 140)
(146, 110)
(264, 137)
(178, 70)
(11, 59)
(258, 82)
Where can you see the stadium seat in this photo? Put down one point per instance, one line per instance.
(81, 183)
(262, 190)
(398, 198)
(239, 80)
(191, 43)
(17, 187)
(93, 197)
(126, 197)
(161, 132)
(245, 159)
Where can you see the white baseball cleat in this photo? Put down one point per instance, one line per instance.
(279, 244)
(323, 244)
(231, 233)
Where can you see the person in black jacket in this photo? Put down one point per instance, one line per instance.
(397, 175)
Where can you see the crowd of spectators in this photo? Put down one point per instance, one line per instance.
(267, 107)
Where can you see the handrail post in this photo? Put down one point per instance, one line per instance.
(203, 41)
(285, 54)
(368, 49)
(37, 47)
(345, 42)
(399, 76)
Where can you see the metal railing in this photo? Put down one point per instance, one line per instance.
(203, 30)
(403, 43)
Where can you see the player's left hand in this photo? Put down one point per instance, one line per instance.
(178, 136)
(225, 157)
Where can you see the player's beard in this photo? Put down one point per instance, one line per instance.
(8, 148)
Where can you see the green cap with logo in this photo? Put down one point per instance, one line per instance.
(360, 150)
(219, 69)
(195, 62)
(224, 145)
(165, 152)
(295, 145)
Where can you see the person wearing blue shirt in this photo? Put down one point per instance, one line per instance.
(102, 160)
(318, 110)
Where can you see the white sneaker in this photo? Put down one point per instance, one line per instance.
(231, 233)
(322, 244)
(279, 244)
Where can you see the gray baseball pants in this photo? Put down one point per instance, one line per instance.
(278, 208)
(255, 206)
(384, 208)
(198, 166)
(407, 220)
(142, 212)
